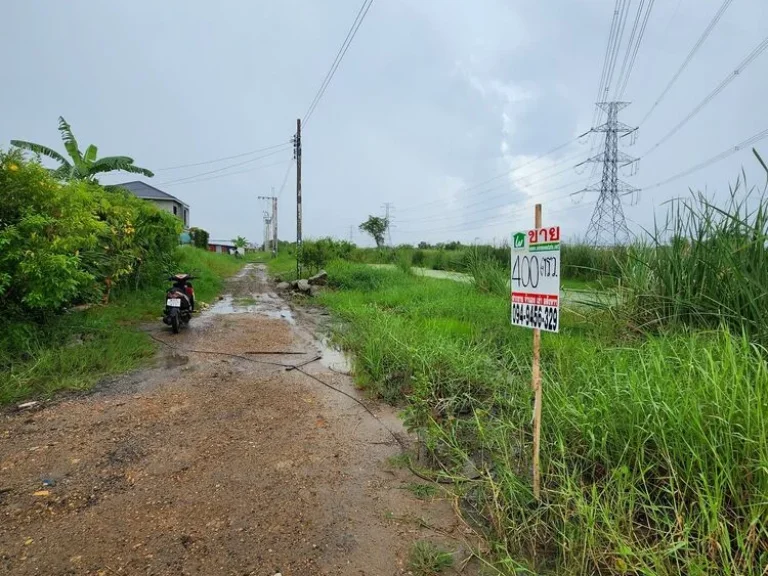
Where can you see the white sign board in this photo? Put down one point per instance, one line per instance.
(536, 279)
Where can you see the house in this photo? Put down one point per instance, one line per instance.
(221, 246)
(161, 199)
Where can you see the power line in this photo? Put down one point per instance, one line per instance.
(739, 69)
(629, 44)
(222, 169)
(507, 173)
(717, 158)
(620, 13)
(690, 56)
(228, 174)
(222, 159)
(285, 178)
(487, 208)
(623, 83)
(503, 217)
(366, 5)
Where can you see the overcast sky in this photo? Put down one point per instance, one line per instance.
(433, 97)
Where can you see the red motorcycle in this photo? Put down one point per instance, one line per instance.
(179, 302)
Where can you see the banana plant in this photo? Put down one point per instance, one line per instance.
(80, 166)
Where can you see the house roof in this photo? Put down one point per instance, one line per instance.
(221, 243)
(147, 192)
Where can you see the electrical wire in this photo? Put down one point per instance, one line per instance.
(502, 174)
(623, 83)
(464, 211)
(621, 11)
(285, 179)
(714, 159)
(473, 226)
(503, 217)
(630, 43)
(691, 54)
(194, 176)
(736, 72)
(366, 5)
(222, 159)
(229, 174)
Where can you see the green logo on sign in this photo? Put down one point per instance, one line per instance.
(518, 240)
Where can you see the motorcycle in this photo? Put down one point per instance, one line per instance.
(179, 302)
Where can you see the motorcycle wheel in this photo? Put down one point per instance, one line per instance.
(175, 321)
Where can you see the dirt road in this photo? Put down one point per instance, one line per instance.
(211, 464)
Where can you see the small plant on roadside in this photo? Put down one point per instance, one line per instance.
(401, 460)
(422, 491)
(427, 559)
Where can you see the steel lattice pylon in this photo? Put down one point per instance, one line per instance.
(608, 226)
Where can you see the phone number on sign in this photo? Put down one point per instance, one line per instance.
(535, 316)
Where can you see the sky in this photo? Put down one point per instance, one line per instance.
(440, 107)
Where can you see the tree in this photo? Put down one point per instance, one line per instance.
(376, 226)
(240, 242)
(83, 166)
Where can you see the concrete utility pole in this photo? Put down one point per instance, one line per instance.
(267, 228)
(273, 220)
(388, 206)
(297, 156)
(351, 233)
(608, 226)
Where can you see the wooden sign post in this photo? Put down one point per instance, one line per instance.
(535, 292)
(536, 385)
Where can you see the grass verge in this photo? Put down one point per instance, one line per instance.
(654, 449)
(75, 350)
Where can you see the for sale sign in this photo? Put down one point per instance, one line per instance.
(536, 279)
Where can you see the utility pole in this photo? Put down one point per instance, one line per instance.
(608, 226)
(267, 226)
(351, 233)
(273, 221)
(275, 241)
(297, 157)
(387, 215)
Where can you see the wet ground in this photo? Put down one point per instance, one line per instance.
(222, 458)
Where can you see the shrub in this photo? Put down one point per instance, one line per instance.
(199, 238)
(316, 254)
(66, 243)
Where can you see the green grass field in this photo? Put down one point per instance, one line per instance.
(75, 350)
(654, 449)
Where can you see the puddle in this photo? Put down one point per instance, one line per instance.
(264, 304)
(332, 358)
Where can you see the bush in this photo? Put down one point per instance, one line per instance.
(316, 254)
(199, 238)
(73, 242)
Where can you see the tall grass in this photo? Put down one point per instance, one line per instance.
(486, 272)
(654, 452)
(706, 265)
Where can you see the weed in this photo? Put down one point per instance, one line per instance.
(401, 460)
(422, 491)
(427, 559)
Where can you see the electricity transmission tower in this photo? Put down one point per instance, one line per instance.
(388, 206)
(608, 226)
